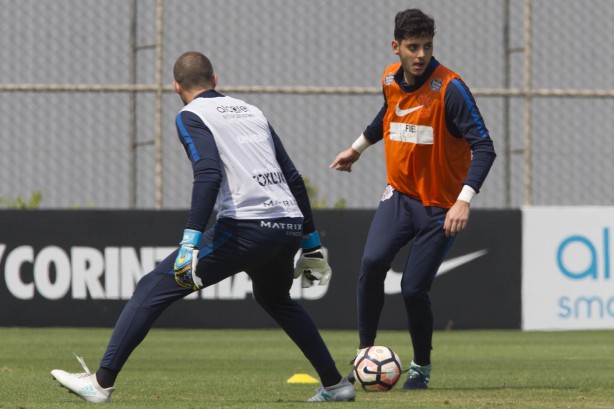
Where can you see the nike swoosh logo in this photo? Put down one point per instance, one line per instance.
(392, 285)
(459, 261)
(402, 112)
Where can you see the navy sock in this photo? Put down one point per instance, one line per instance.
(330, 378)
(106, 377)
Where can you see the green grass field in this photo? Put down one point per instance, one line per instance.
(222, 369)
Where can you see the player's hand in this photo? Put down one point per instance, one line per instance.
(187, 260)
(345, 160)
(311, 267)
(457, 218)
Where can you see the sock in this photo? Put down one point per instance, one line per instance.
(330, 378)
(106, 377)
(425, 370)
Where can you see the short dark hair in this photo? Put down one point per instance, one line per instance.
(193, 71)
(413, 23)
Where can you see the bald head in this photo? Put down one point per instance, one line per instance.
(193, 71)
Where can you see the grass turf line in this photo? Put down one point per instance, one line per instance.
(226, 369)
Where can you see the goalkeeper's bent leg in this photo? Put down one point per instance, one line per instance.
(271, 285)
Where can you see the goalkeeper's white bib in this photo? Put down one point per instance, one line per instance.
(253, 185)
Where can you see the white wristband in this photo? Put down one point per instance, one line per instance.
(361, 144)
(466, 194)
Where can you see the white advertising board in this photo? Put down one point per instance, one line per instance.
(567, 281)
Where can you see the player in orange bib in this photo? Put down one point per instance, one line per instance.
(438, 152)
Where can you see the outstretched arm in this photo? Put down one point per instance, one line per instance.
(344, 160)
(371, 135)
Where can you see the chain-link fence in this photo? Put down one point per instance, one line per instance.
(87, 111)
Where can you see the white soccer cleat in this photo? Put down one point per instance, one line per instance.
(341, 392)
(84, 384)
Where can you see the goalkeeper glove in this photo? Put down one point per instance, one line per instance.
(312, 265)
(187, 260)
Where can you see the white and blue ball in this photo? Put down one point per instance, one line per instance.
(377, 368)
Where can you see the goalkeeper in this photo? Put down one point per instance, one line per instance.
(264, 217)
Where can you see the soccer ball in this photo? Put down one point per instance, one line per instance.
(377, 368)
